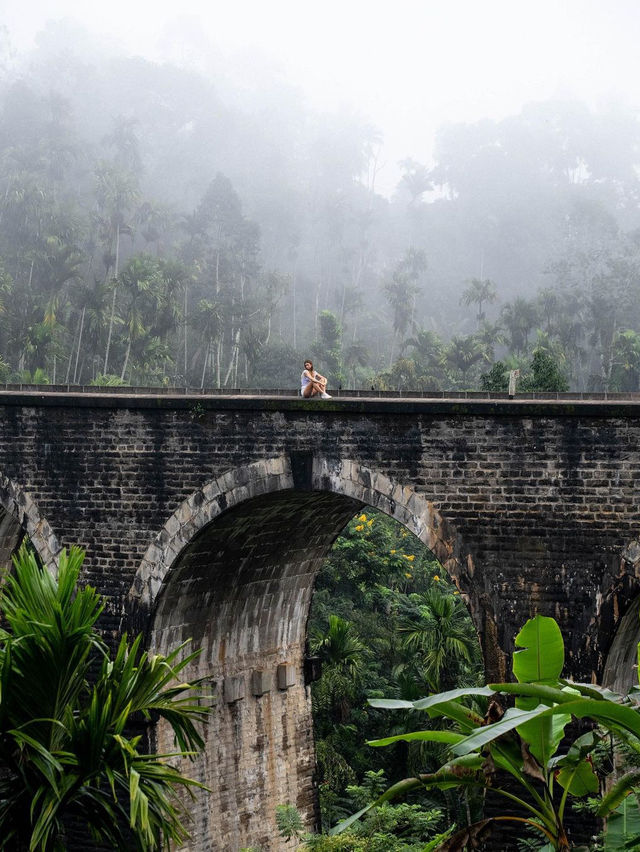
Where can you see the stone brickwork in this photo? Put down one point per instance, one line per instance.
(208, 518)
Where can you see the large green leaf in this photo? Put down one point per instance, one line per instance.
(610, 714)
(542, 734)
(615, 717)
(451, 695)
(618, 793)
(579, 780)
(390, 704)
(542, 654)
(511, 720)
(544, 693)
(449, 737)
(579, 749)
(431, 700)
(622, 830)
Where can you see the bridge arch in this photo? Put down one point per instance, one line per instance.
(19, 515)
(343, 477)
(233, 569)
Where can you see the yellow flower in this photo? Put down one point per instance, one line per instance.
(409, 558)
(360, 527)
(456, 592)
(393, 551)
(369, 523)
(362, 517)
(406, 574)
(436, 578)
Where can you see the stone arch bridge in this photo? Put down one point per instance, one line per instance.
(209, 516)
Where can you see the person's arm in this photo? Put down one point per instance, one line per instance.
(319, 382)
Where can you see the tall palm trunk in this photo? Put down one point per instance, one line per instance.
(113, 302)
(113, 310)
(75, 369)
(126, 359)
(186, 297)
(70, 361)
(204, 366)
(235, 347)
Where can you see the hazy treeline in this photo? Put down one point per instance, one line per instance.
(160, 225)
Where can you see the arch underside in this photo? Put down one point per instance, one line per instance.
(242, 592)
(233, 571)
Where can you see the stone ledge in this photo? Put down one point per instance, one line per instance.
(199, 405)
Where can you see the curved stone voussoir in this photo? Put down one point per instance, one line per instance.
(196, 512)
(20, 511)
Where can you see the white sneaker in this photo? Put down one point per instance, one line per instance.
(325, 395)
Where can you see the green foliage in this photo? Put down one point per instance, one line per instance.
(328, 347)
(478, 293)
(66, 744)
(625, 373)
(109, 381)
(497, 379)
(524, 742)
(544, 374)
(398, 828)
(384, 619)
(622, 829)
(289, 822)
(123, 252)
(37, 377)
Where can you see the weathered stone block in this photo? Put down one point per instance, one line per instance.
(234, 689)
(286, 676)
(261, 682)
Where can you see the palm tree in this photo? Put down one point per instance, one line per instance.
(342, 653)
(355, 355)
(117, 192)
(143, 287)
(441, 635)
(401, 292)
(490, 335)
(462, 353)
(427, 350)
(66, 714)
(339, 646)
(477, 293)
(518, 318)
(207, 320)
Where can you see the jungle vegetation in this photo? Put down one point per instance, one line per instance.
(160, 227)
(73, 761)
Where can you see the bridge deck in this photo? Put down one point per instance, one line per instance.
(407, 402)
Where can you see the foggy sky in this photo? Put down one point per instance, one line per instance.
(409, 66)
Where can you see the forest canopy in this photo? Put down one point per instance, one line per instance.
(163, 227)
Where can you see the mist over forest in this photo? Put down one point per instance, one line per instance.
(160, 226)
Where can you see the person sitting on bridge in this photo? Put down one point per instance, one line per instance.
(312, 383)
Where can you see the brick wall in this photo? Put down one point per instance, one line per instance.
(208, 518)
